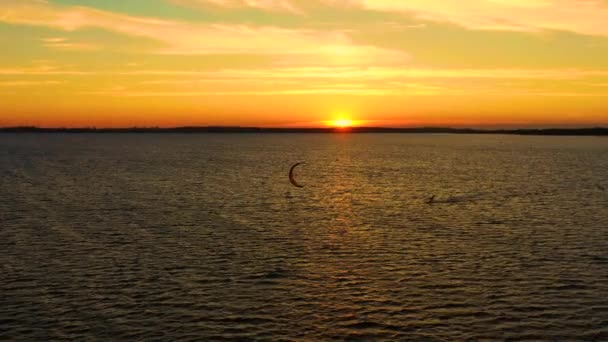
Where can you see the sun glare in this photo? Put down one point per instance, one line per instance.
(342, 123)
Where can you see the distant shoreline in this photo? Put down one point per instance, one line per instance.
(594, 131)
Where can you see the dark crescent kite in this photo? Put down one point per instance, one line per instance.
(291, 179)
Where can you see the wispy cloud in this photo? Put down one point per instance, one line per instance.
(28, 83)
(43, 69)
(269, 5)
(589, 17)
(382, 73)
(332, 91)
(378, 81)
(188, 38)
(565, 94)
(405, 89)
(61, 43)
(333, 72)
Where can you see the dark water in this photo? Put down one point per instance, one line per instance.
(201, 237)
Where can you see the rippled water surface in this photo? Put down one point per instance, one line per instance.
(202, 237)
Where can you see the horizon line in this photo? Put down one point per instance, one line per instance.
(596, 130)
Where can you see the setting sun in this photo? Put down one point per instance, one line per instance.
(342, 123)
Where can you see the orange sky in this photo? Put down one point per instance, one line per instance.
(295, 63)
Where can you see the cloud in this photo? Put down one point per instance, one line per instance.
(384, 73)
(28, 83)
(268, 5)
(269, 86)
(186, 38)
(327, 72)
(61, 43)
(327, 91)
(363, 81)
(40, 70)
(589, 17)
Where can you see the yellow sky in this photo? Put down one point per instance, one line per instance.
(111, 63)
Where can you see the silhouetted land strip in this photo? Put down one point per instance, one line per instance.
(596, 131)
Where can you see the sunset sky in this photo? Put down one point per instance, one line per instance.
(288, 63)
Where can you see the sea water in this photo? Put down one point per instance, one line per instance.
(202, 237)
